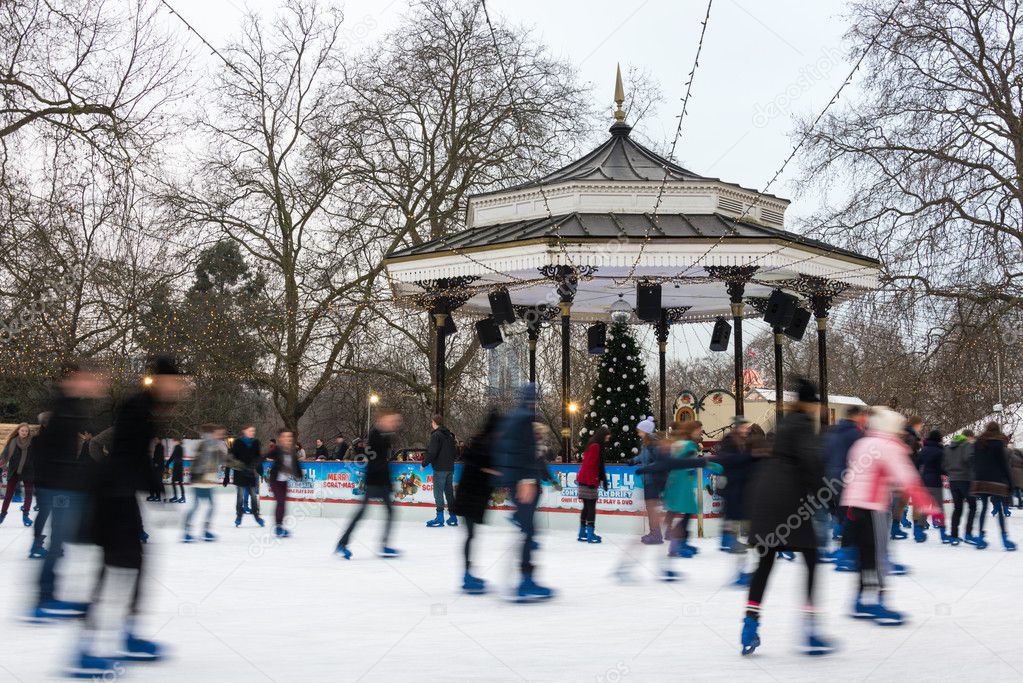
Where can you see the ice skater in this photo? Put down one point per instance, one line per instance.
(653, 484)
(209, 458)
(590, 478)
(284, 465)
(110, 633)
(17, 457)
(246, 463)
(473, 496)
(377, 482)
(63, 474)
(159, 465)
(992, 479)
(786, 483)
(176, 464)
(957, 461)
(440, 454)
(877, 462)
(515, 458)
(735, 455)
(679, 489)
(929, 461)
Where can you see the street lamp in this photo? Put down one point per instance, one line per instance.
(147, 381)
(371, 401)
(573, 408)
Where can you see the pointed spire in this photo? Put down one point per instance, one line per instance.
(619, 95)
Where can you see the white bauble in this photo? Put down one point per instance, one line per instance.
(635, 450)
(614, 420)
(625, 428)
(593, 413)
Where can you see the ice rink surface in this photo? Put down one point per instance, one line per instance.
(251, 607)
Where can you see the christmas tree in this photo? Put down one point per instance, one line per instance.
(621, 396)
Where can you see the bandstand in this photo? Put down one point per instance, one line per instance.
(580, 242)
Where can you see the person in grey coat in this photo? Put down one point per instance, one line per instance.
(958, 464)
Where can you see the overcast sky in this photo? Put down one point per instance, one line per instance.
(763, 62)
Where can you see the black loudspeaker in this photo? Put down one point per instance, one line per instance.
(449, 325)
(648, 302)
(796, 328)
(780, 309)
(596, 338)
(489, 333)
(501, 306)
(719, 337)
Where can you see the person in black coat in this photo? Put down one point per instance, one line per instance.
(176, 465)
(284, 465)
(992, 478)
(321, 450)
(440, 453)
(117, 520)
(247, 458)
(474, 491)
(64, 479)
(377, 481)
(159, 465)
(929, 462)
(783, 499)
(17, 456)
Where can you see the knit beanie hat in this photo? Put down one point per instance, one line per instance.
(647, 425)
(884, 419)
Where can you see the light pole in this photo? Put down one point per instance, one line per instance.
(573, 408)
(371, 401)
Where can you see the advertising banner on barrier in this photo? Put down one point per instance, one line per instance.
(413, 485)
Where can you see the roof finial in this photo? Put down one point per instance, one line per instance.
(619, 95)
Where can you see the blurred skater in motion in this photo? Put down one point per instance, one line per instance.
(680, 492)
(206, 466)
(284, 465)
(515, 458)
(992, 479)
(109, 634)
(837, 442)
(653, 484)
(176, 465)
(474, 491)
(17, 457)
(591, 477)
(786, 483)
(735, 455)
(877, 462)
(377, 482)
(64, 476)
(247, 458)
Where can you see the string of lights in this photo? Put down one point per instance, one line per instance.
(799, 144)
(674, 142)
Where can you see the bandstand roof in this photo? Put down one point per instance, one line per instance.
(628, 215)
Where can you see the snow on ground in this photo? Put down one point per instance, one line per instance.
(250, 607)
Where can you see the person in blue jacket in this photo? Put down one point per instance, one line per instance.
(519, 469)
(837, 442)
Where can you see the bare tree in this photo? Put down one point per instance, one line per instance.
(925, 167)
(92, 69)
(270, 179)
(444, 108)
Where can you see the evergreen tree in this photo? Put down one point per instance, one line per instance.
(621, 396)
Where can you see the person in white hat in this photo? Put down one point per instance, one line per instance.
(653, 484)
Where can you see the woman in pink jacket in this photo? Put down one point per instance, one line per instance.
(878, 463)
